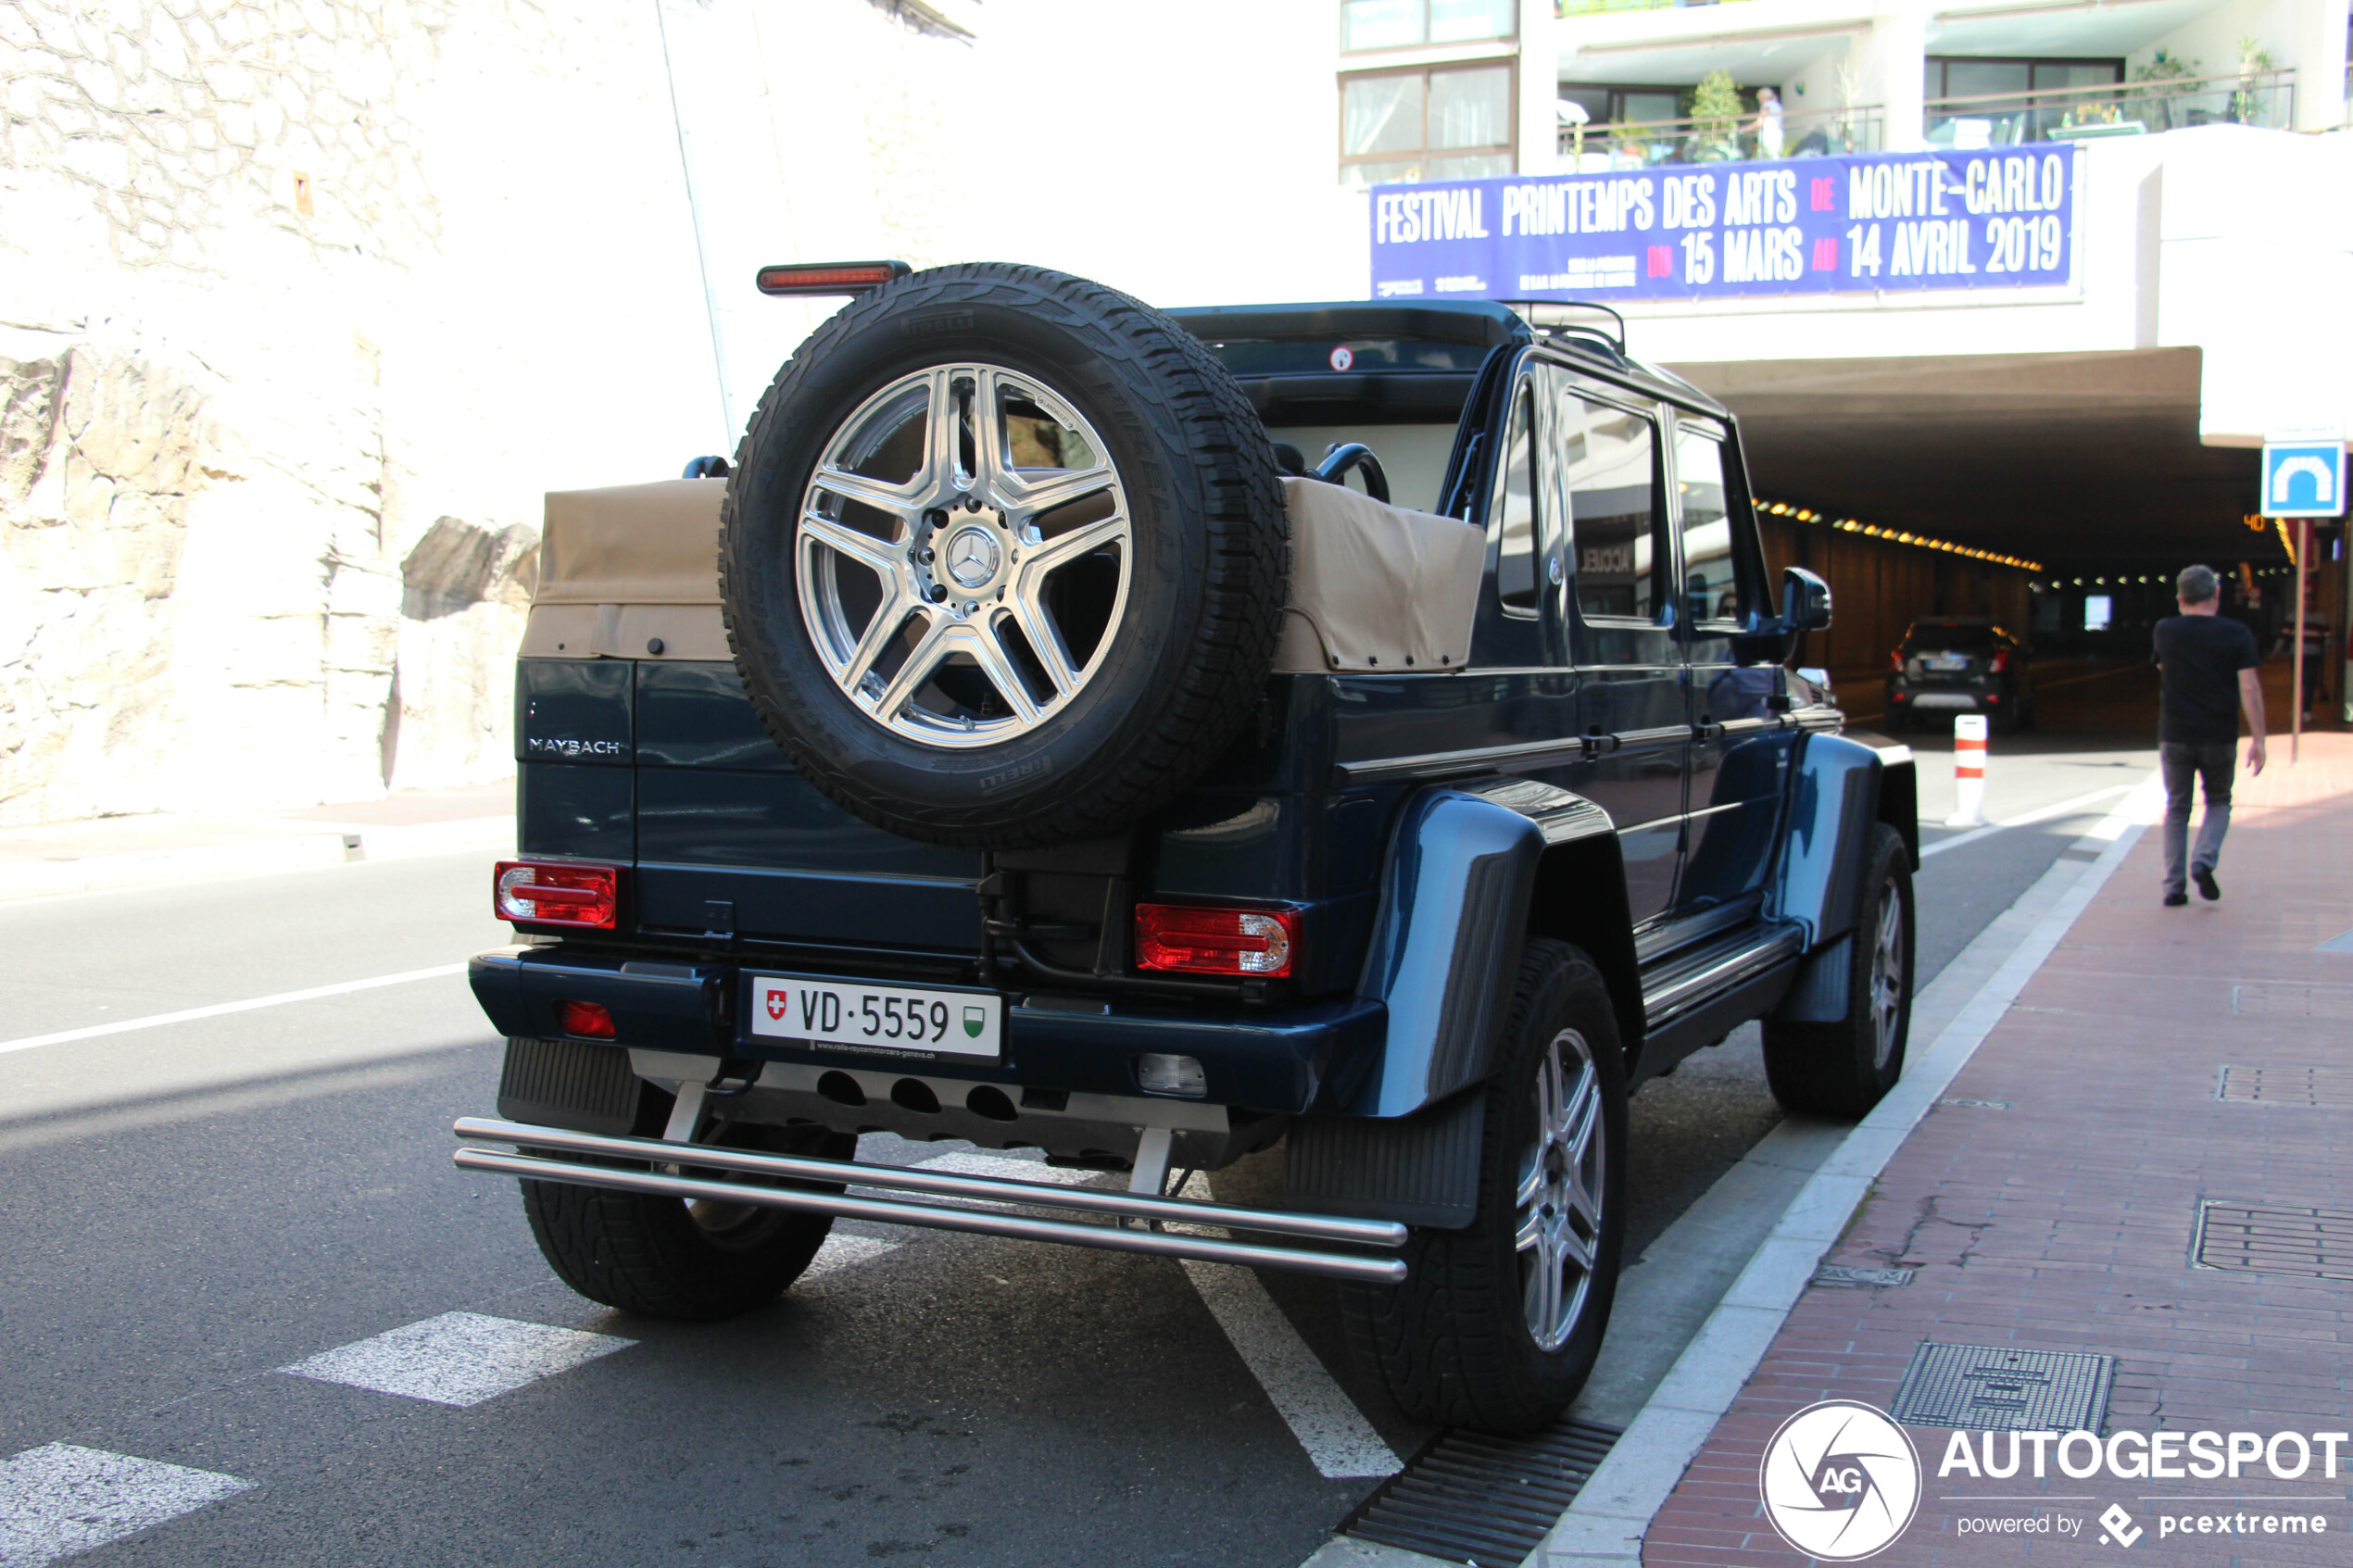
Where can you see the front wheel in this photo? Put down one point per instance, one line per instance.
(1842, 1069)
(1498, 1324)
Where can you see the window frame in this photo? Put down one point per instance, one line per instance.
(1423, 154)
(1748, 567)
(1509, 36)
(1665, 540)
(1524, 396)
(1942, 64)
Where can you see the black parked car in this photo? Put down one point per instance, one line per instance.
(1009, 749)
(1960, 665)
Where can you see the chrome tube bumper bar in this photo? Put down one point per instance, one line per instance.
(835, 1175)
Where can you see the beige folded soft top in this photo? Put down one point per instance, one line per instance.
(631, 573)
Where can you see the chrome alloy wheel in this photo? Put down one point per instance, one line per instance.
(964, 555)
(1559, 1201)
(1887, 976)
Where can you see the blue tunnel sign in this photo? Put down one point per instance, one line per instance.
(2304, 479)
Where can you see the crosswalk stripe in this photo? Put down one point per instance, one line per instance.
(457, 1359)
(60, 1500)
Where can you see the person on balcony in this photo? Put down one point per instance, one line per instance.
(1770, 134)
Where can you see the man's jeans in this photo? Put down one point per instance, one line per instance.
(2181, 762)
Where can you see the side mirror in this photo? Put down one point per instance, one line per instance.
(1806, 600)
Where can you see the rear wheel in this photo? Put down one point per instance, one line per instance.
(1498, 1324)
(669, 1258)
(1842, 1069)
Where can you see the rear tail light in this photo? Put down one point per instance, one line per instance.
(537, 894)
(830, 278)
(1261, 943)
(2001, 662)
(1895, 660)
(590, 1018)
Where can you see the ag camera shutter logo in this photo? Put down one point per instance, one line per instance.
(1840, 1481)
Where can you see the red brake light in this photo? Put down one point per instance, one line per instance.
(538, 894)
(1895, 660)
(1259, 943)
(2001, 661)
(835, 277)
(590, 1018)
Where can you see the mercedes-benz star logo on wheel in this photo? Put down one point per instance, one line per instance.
(1841, 1481)
(972, 557)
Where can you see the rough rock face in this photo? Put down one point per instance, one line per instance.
(99, 460)
(189, 621)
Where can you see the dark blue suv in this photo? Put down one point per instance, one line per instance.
(1154, 738)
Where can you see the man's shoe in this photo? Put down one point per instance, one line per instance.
(2208, 888)
(2175, 900)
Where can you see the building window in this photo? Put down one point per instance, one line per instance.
(1969, 76)
(1447, 123)
(1625, 105)
(1401, 24)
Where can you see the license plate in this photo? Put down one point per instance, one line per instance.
(906, 1019)
(1949, 662)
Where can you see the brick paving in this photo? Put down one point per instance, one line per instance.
(2068, 1221)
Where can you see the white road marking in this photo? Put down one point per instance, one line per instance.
(459, 1358)
(972, 1162)
(60, 1500)
(844, 1251)
(2042, 814)
(220, 1010)
(1339, 1441)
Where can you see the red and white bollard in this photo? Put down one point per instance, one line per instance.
(1968, 771)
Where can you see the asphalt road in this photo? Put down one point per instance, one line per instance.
(194, 1206)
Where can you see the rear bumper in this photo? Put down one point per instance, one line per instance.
(935, 1200)
(1273, 1060)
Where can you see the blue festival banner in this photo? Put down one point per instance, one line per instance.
(1993, 218)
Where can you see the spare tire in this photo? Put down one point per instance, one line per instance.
(1002, 558)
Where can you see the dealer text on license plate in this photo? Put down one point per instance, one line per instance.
(892, 1018)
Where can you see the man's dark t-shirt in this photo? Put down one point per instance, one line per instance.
(2202, 656)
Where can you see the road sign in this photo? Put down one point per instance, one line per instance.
(2304, 479)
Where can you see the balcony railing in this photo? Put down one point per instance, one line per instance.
(1600, 149)
(2125, 108)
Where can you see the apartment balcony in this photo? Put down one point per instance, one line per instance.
(1605, 148)
(2125, 108)
(1595, 7)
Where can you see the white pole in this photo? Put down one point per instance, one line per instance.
(1968, 771)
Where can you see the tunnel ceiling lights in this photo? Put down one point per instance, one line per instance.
(1872, 531)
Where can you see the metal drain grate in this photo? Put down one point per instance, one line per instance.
(1997, 1388)
(1470, 1498)
(2323, 1086)
(2292, 1001)
(2271, 1239)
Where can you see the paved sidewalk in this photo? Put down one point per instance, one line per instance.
(105, 853)
(2160, 1061)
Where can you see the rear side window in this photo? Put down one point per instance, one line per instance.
(1516, 510)
(1609, 466)
(1711, 581)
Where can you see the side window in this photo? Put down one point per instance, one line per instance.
(1711, 575)
(1609, 465)
(1516, 510)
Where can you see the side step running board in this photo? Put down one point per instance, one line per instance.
(833, 1176)
(1693, 978)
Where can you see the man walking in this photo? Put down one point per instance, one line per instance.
(2206, 664)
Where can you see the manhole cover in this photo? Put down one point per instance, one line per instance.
(1844, 1276)
(2247, 1085)
(2266, 1238)
(1977, 1104)
(2000, 1389)
(2292, 1001)
(1470, 1498)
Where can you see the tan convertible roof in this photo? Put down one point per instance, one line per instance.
(632, 572)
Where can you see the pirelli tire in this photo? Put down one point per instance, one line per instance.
(1003, 557)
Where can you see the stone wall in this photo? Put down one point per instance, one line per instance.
(293, 333)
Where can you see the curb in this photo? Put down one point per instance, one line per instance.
(1607, 1522)
(256, 856)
